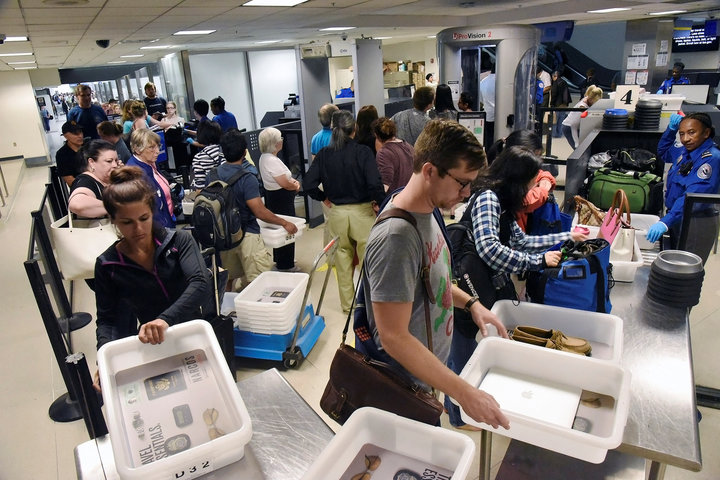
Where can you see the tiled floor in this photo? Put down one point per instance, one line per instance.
(34, 447)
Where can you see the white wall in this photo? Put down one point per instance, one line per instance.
(273, 74)
(419, 51)
(223, 74)
(24, 135)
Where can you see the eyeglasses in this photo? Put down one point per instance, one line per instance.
(210, 416)
(463, 184)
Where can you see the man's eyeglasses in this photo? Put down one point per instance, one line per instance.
(463, 185)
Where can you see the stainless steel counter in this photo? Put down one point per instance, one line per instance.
(287, 437)
(662, 423)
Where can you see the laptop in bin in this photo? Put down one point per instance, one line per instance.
(544, 400)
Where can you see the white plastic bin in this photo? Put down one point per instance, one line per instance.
(173, 410)
(392, 437)
(607, 423)
(254, 308)
(603, 330)
(642, 222)
(276, 236)
(625, 271)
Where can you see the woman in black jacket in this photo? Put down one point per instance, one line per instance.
(159, 274)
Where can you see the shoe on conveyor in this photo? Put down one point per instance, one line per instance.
(543, 338)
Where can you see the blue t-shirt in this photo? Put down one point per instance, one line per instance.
(226, 120)
(88, 119)
(246, 188)
(320, 140)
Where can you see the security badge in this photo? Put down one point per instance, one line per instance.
(705, 170)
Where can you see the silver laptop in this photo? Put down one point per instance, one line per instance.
(696, 94)
(543, 400)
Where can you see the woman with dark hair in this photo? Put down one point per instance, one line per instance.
(112, 132)
(158, 273)
(352, 189)
(544, 181)
(365, 118)
(695, 169)
(500, 243)
(394, 156)
(211, 156)
(444, 107)
(87, 188)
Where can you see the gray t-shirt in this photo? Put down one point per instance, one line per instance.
(393, 260)
(410, 124)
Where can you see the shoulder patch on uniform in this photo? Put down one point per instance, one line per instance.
(706, 154)
(678, 143)
(705, 171)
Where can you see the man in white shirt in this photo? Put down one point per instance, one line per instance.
(487, 99)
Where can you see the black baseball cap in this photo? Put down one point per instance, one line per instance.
(71, 126)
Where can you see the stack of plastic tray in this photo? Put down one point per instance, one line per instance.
(271, 303)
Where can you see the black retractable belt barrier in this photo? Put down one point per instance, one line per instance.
(90, 400)
(66, 407)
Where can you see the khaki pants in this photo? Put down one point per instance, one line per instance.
(352, 224)
(247, 260)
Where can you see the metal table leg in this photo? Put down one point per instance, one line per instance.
(485, 454)
(654, 470)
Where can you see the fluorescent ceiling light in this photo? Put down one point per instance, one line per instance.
(137, 55)
(669, 12)
(382, 38)
(194, 32)
(25, 68)
(20, 63)
(265, 42)
(14, 54)
(16, 39)
(156, 47)
(335, 29)
(118, 61)
(431, 36)
(609, 10)
(273, 3)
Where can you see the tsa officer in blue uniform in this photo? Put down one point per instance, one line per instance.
(677, 78)
(695, 169)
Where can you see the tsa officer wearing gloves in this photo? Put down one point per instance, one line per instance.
(695, 169)
(677, 78)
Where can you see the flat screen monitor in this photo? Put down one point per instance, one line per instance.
(696, 94)
(697, 41)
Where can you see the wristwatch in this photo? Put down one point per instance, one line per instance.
(470, 303)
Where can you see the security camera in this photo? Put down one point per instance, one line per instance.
(2, 38)
(343, 36)
(102, 43)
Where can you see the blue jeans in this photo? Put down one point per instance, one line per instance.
(557, 127)
(567, 132)
(461, 349)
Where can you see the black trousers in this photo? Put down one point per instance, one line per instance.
(282, 202)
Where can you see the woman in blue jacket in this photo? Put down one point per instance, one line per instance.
(145, 146)
(695, 169)
(158, 273)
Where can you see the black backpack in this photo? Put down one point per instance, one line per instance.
(216, 216)
(473, 275)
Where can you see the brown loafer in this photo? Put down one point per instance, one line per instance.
(572, 344)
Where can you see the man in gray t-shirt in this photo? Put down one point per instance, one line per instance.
(410, 123)
(447, 158)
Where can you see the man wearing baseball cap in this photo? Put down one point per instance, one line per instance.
(68, 159)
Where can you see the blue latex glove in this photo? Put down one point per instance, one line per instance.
(190, 141)
(659, 92)
(675, 120)
(656, 231)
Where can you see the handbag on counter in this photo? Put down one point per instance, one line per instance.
(623, 246)
(359, 380)
(613, 221)
(588, 214)
(78, 247)
(582, 280)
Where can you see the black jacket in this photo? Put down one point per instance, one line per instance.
(178, 290)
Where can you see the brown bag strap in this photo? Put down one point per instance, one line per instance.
(621, 204)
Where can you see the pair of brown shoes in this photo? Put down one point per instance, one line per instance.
(554, 339)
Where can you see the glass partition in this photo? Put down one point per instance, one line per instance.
(524, 83)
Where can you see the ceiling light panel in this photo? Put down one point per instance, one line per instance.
(273, 3)
(194, 32)
(610, 10)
